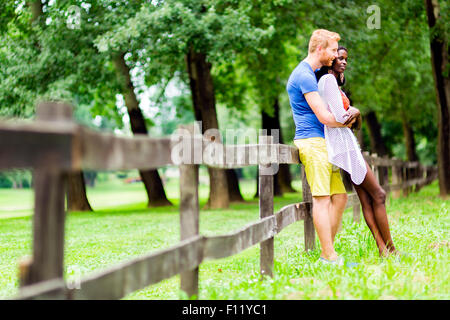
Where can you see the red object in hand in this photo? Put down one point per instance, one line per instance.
(345, 101)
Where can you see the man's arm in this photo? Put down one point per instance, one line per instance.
(318, 107)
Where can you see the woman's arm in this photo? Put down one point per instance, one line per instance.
(333, 98)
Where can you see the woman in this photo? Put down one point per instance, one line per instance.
(344, 152)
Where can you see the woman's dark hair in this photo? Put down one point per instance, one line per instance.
(342, 48)
(324, 69)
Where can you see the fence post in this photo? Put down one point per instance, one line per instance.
(47, 261)
(310, 235)
(383, 178)
(189, 218)
(418, 174)
(396, 179)
(405, 175)
(385, 172)
(266, 183)
(376, 170)
(357, 212)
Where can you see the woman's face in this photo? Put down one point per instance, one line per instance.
(340, 63)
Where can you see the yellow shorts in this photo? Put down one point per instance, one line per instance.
(324, 178)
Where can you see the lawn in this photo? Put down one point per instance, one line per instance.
(122, 227)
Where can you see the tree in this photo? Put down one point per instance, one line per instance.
(264, 68)
(268, 67)
(438, 15)
(191, 36)
(66, 65)
(76, 190)
(152, 181)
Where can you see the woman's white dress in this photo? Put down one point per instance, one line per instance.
(342, 146)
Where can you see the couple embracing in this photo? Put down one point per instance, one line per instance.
(324, 121)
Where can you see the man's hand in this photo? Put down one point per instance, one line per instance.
(353, 114)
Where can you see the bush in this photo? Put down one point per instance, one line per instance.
(5, 182)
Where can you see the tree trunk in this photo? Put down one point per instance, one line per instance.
(89, 178)
(202, 90)
(36, 9)
(233, 186)
(439, 61)
(410, 142)
(376, 140)
(76, 189)
(282, 180)
(360, 137)
(76, 192)
(151, 179)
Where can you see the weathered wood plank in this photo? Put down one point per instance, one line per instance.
(117, 281)
(189, 221)
(123, 278)
(397, 178)
(236, 156)
(54, 289)
(309, 231)
(290, 214)
(129, 276)
(357, 212)
(77, 147)
(106, 151)
(222, 246)
(288, 154)
(48, 227)
(49, 211)
(38, 144)
(407, 184)
(265, 185)
(385, 162)
(353, 200)
(22, 143)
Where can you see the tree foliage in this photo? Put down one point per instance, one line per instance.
(252, 45)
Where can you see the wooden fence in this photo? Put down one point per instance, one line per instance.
(53, 145)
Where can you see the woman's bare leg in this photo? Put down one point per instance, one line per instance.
(369, 217)
(378, 200)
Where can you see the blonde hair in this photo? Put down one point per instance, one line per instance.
(320, 37)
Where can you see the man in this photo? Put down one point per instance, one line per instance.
(310, 115)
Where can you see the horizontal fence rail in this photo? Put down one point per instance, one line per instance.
(74, 147)
(53, 144)
(117, 281)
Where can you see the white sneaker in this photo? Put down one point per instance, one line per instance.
(339, 261)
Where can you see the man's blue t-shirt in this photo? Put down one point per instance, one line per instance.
(301, 81)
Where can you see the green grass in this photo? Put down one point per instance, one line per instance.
(122, 227)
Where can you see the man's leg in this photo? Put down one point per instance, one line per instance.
(321, 219)
(337, 207)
